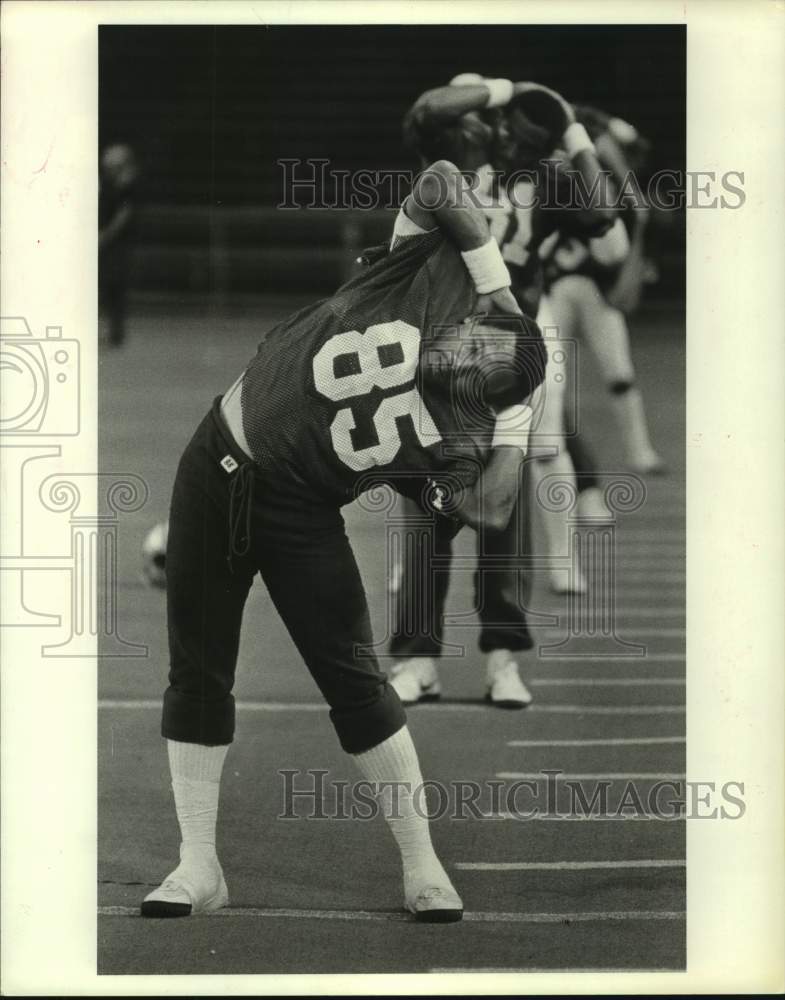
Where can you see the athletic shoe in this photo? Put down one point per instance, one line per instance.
(187, 891)
(650, 464)
(416, 680)
(505, 687)
(572, 582)
(435, 904)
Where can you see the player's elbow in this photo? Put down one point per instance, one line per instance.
(437, 185)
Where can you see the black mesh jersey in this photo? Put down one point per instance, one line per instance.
(570, 252)
(530, 220)
(333, 403)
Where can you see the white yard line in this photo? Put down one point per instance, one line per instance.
(501, 970)
(668, 633)
(123, 704)
(618, 742)
(600, 776)
(558, 866)
(636, 661)
(608, 709)
(645, 817)
(398, 916)
(608, 682)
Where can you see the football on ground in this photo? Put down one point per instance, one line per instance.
(154, 555)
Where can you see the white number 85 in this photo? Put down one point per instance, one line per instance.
(372, 374)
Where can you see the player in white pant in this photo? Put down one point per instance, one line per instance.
(582, 312)
(553, 464)
(592, 294)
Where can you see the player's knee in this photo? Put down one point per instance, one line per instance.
(366, 725)
(620, 386)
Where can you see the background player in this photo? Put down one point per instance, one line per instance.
(590, 295)
(487, 126)
(116, 219)
(338, 398)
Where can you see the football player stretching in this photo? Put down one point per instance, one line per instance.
(493, 129)
(591, 296)
(350, 392)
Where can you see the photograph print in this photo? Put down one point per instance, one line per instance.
(392, 378)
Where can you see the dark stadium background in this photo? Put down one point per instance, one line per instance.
(210, 111)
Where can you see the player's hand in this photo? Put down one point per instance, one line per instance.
(500, 301)
(544, 107)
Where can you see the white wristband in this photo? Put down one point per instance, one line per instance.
(513, 426)
(486, 267)
(576, 139)
(500, 92)
(622, 131)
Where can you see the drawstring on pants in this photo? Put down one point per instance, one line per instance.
(240, 512)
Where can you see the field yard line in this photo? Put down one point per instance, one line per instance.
(500, 970)
(608, 682)
(305, 706)
(400, 916)
(623, 660)
(590, 818)
(654, 575)
(667, 633)
(643, 610)
(618, 742)
(518, 866)
(608, 775)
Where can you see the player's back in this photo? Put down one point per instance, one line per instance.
(332, 400)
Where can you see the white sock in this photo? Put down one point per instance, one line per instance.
(196, 775)
(395, 760)
(631, 417)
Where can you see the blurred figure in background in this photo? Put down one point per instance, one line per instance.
(487, 127)
(116, 217)
(592, 296)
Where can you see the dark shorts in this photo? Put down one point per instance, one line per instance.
(228, 522)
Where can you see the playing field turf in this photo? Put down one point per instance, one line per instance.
(324, 895)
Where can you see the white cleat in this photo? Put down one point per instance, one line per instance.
(434, 901)
(416, 680)
(649, 464)
(571, 582)
(505, 687)
(187, 891)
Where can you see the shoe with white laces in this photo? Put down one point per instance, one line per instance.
(416, 680)
(190, 889)
(505, 687)
(432, 898)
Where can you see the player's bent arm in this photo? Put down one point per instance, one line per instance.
(442, 197)
(489, 503)
(443, 105)
(549, 108)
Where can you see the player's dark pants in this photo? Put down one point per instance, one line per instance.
(502, 585)
(225, 526)
(113, 291)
